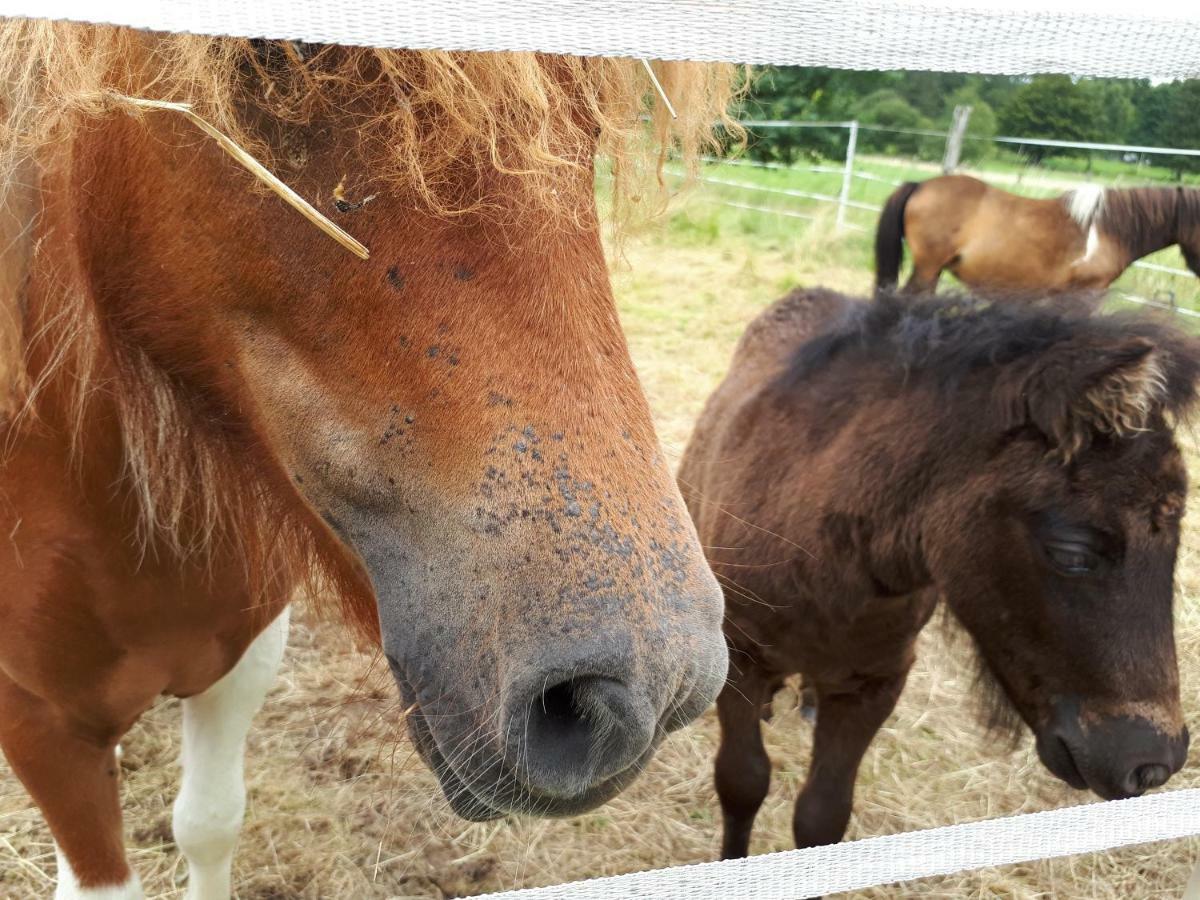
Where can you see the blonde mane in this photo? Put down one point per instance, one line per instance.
(420, 116)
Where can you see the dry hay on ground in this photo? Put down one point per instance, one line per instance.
(339, 806)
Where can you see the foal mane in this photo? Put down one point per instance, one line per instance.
(951, 337)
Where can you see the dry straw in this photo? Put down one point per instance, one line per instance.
(265, 175)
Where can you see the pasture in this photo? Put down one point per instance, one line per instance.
(340, 806)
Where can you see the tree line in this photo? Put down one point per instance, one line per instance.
(1101, 110)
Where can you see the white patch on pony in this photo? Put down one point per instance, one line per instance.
(212, 798)
(69, 889)
(1085, 203)
(1093, 244)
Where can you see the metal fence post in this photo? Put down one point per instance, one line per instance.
(847, 175)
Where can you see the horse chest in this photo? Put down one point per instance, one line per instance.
(95, 626)
(836, 637)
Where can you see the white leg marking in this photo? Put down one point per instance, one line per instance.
(69, 889)
(212, 798)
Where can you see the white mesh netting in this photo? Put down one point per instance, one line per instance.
(1102, 37)
(1157, 40)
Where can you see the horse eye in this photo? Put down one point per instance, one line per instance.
(1072, 559)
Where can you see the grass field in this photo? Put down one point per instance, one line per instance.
(339, 806)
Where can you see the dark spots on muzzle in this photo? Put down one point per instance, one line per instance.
(397, 429)
(568, 628)
(395, 280)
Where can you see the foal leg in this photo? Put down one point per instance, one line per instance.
(743, 770)
(212, 799)
(846, 724)
(71, 775)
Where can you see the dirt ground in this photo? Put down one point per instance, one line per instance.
(340, 807)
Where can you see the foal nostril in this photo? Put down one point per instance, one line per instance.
(1143, 778)
(582, 731)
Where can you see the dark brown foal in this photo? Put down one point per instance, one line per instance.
(861, 460)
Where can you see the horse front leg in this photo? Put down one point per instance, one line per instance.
(846, 724)
(743, 769)
(212, 798)
(71, 773)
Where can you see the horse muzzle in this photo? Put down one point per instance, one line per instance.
(565, 738)
(1116, 757)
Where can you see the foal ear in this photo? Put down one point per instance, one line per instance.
(1083, 389)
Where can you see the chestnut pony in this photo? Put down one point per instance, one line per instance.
(207, 402)
(863, 460)
(991, 239)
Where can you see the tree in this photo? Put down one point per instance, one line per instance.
(1056, 107)
(887, 109)
(1115, 97)
(1181, 126)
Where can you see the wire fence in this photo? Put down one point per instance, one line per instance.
(876, 35)
(741, 193)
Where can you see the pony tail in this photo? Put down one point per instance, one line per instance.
(889, 235)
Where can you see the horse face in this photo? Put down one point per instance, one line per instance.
(458, 418)
(1062, 571)
(476, 434)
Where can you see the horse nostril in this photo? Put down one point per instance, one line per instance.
(1143, 778)
(580, 732)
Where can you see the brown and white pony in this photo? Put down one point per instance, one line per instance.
(207, 402)
(993, 240)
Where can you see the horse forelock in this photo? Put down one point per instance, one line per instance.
(419, 117)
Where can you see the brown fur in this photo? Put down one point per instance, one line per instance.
(1003, 243)
(214, 403)
(861, 460)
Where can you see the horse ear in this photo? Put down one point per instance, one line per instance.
(1083, 390)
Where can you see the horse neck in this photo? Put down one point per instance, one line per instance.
(1188, 218)
(1146, 229)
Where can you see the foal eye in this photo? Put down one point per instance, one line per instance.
(1072, 559)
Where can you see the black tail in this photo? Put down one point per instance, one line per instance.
(889, 234)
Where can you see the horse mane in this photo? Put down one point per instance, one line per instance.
(423, 118)
(420, 114)
(1140, 218)
(1084, 204)
(949, 338)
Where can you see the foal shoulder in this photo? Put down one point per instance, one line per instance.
(773, 336)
